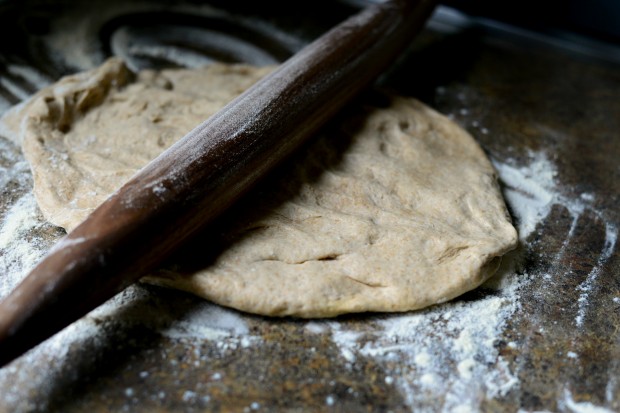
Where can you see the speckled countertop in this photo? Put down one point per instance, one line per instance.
(544, 335)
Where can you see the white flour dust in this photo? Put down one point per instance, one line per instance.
(448, 355)
(19, 252)
(567, 404)
(90, 337)
(20, 247)
(445, 356)
(531, 192)
(19, 82)
(75, 36)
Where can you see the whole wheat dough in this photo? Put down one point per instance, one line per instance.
(395, 209)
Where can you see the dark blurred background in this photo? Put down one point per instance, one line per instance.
(599, 19)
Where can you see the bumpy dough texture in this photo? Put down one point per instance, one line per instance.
(89, 133)
(394, 209)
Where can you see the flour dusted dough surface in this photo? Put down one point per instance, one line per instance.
(89, 133)
(395, 209)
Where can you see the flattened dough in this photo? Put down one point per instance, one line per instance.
(394, 209)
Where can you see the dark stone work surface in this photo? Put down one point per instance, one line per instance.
(519, 96)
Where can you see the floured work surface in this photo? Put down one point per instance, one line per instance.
(543, 336)
(396, 208)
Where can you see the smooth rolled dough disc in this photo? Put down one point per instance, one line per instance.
(393, 209)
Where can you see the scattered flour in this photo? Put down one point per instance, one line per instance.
(110, 323)
(567, 404)
(18, 81)
(20, 248)
(18, 254)
(75, 39)
(210, 322)
(35, 78)
(444, 356)
(531, 192)
(436, 359)
(448, 355)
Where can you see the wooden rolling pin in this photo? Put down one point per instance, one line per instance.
(139, 226)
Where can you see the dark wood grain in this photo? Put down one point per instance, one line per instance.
(203, 174)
